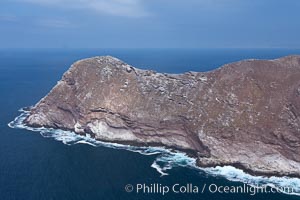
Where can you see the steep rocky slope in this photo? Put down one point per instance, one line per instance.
(245, 114)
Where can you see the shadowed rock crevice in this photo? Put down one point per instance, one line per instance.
(245, 114)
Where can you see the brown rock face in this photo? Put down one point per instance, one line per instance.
(245, 114)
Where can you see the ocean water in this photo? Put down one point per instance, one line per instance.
(52, 164)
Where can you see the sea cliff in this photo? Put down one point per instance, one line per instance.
(245, 114)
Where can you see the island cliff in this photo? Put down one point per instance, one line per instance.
(245, 114)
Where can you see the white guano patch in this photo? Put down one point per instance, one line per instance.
(105, 132)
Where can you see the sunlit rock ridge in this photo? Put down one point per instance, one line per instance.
(245, 114)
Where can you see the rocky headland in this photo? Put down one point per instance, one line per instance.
(245, 114)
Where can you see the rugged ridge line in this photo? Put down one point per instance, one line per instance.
(245, 114)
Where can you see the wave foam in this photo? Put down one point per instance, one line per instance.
(165, 160)
(238, 175)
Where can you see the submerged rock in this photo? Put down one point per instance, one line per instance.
(245, 114)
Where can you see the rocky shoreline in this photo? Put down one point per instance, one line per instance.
(244, 114)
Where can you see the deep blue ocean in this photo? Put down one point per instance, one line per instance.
(33, 167)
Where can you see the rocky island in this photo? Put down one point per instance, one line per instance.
(245, 114)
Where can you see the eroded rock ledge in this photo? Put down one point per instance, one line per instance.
(245, 113)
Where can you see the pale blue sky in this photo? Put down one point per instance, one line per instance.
(150, 23)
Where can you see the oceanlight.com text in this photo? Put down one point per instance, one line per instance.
(189, 188)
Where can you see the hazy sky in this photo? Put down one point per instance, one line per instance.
(150, 23)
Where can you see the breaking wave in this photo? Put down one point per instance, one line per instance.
(166, 159)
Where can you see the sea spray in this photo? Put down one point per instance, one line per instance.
(166, 159)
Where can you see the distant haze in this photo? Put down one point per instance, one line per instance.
(149, 24)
